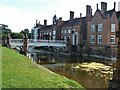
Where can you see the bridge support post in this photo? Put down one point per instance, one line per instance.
(114, 84)
(25, 44)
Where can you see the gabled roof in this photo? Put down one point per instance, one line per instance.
(107, 13)
(110, 12)
(99, 13)
(118, 14)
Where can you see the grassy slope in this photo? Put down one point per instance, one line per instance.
(19, 71)
(0, 67)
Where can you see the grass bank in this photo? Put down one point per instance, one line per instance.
(20, 72)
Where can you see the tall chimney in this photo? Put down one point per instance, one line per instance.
(114, 5)
(97, 6)
(45, 22)
(88, 10)
(91, 12)
(71, 15)
(103, 7)
(36, 21)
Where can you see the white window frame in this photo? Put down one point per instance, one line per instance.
(69, 31)
(50, 33)
(100, 39)
(53, 37)
(54, 32)
(65, 38)
(112, 38)
(92, 28)
(100, 27)
(65, 31)
(112, 27)
(62, 31)
(92, 38)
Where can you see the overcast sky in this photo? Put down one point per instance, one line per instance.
(21, 14)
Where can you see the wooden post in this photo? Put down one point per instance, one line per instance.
(115, 82)
(25, 44)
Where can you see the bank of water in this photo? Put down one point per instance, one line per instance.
(89, 74)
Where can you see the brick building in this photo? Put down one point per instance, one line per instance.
(96, 33)
(36, 30)
(102, 31)
(74, 29)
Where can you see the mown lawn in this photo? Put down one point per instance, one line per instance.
(20, 72)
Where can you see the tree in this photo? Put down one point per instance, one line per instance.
(16, 35)
(26, 31)
(5, 30)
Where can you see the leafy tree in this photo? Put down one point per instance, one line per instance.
(16, 35)
(5, 31)
(26, 31)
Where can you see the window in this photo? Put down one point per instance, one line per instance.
(69, 31)
(65, 38)
(112, 27)
(92, 28)
(35, 31)
(54, 32)
(62, 31)
(112, 39)
(99, 38)
(92, 38)
(100, 27)
(50, 33)
(65, 31)
(53, 37)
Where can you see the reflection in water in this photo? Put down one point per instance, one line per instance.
(67, 67)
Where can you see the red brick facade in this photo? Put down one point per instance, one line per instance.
(97, 32)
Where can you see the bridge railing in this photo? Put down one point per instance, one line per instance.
(37, 41)
(16, 40)
(46, 41)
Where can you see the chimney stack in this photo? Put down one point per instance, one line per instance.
(45, 22)
(97, 6)
(71, 15)
(88, 10)
(36, 21)
(114, 5)
(91, 12)
(103, 7)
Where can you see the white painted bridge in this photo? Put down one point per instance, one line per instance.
(35, 43)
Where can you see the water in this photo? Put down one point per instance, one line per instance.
(68, 67)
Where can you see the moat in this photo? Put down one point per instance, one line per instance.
(90, 74)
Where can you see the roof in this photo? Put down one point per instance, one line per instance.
(118, 14)
(73, 22)
(107, 13)
(38, 25)
(110, 12)
(48, 27)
